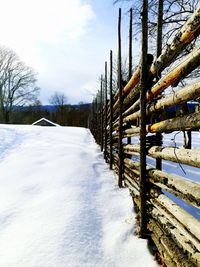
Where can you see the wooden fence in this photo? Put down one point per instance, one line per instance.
(139, 109)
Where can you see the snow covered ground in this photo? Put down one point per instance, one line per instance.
(60, 205)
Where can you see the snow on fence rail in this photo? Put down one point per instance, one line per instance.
(135, 111)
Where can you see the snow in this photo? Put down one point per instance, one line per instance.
(60, 205)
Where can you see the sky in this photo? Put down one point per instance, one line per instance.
(65, 41)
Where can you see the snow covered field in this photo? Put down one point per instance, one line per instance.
(60, 205)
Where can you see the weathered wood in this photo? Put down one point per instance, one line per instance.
(158, 53)
(187, 122)
(186, 35)
(182, 238)
(159, 29)
(132, 148)
(178, 231)
(171, 253)
(144, 86)
(135, 174)
(136, 202)
(129, 95)
(132, 117)
(165, 257)
(132, 184)
(105, 113)
(115, 157)
(120, 147)
(132, 167)
(190, 92)
(101, 113)
(180, 155)
(130, 44)
(131, 98)
(186, 66)
(132, 131)
(183, 217)
(134, 107)
(179, 186)
(130, 85)
(111, 109)
(133, 164)
(189, 31)
(130, 53)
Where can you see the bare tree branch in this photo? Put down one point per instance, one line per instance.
(17, 82)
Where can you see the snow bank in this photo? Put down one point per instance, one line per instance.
(60, 205)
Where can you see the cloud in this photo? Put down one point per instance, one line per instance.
(48, 35)
(27, 24)
(65, 41)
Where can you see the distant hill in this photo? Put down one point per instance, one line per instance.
(71, 115)
(50, 108)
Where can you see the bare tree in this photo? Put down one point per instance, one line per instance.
(175, 13)
(59, 100)
(17, 83)
(125, 74)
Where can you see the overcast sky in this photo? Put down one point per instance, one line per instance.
(65, 41)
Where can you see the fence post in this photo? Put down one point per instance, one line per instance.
(130, 44)
(105, 114)
(158, 53)
(101, 112)
(111, 111)
(96, 120)
(99, 116)
(130, 54)
(120, 152)
(144, 73)
(159, 28)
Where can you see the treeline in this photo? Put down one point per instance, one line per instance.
(67, 115)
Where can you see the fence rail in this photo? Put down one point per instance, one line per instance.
(140, 110)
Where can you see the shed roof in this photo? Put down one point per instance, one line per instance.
(44, 122)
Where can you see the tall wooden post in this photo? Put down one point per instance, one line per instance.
(120, 153)
(130, 54)
(111, 110)
(96, 120)
(101, 112)
(158, 53)
(105, 114)
(144, 84)
(159, 28)
(130, 44)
